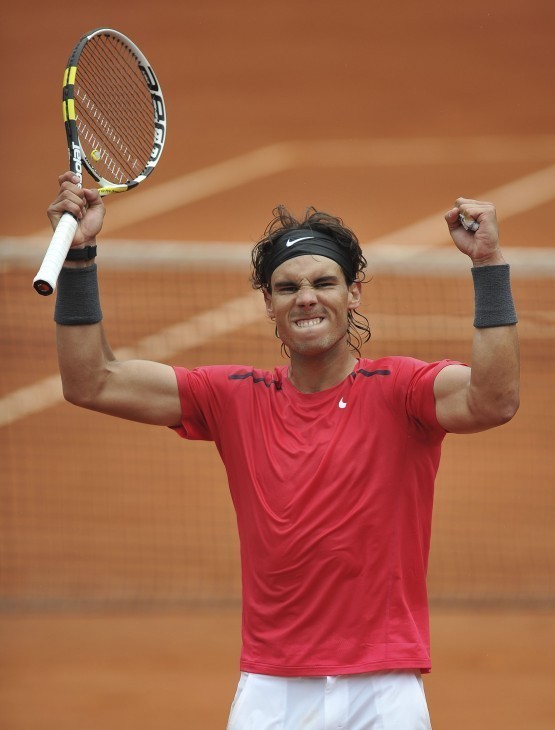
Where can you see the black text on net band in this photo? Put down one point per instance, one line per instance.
(115, 122)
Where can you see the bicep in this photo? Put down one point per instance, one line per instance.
(140, 390)
(451, 388)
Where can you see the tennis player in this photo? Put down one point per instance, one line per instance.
(331, 460)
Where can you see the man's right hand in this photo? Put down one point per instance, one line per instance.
(83, 203)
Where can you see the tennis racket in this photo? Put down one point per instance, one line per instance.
(115, 122)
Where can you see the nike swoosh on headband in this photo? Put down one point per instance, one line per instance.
(290, 242)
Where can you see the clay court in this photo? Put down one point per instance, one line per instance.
(119, 575)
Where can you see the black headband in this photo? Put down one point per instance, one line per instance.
(303, 242)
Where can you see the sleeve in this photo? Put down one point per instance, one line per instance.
(202, 394)
(416, 379)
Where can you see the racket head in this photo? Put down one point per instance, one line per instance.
(114, 111)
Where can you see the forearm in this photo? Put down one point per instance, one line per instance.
(83, 359)
(486, 394)
(493, 392)
(83, 350)
(494, 383)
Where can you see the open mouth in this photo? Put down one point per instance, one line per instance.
(306, 323)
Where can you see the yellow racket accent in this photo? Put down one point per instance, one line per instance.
(69, 109)
(113, 189)
(69, 75)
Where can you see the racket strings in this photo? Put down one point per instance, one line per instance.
(112, 122)
(123, 102)
(114, 111)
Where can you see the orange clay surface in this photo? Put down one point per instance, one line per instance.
(239, 76)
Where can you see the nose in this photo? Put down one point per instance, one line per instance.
(306, 296)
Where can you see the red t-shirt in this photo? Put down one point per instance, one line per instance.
(333, 493)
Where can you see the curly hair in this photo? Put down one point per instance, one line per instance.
(358, 331)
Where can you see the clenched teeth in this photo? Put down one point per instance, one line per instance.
(308, 322)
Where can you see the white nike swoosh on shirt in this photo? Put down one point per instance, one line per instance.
(342, 404)
(296, 240)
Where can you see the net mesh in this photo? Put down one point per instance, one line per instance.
(114, 111)
(99, 512)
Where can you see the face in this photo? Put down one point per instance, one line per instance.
(310, 301)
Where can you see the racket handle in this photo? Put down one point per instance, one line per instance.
(47, 276)
(469, 224)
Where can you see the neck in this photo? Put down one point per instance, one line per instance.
(313, 374)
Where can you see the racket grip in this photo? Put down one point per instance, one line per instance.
(47, 276)
(469, 224)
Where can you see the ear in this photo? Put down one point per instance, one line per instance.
(268, 303)
(355, 294)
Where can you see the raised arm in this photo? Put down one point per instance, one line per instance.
(486, 394)
(137, 390)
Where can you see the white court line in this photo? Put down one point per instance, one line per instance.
(424, 151)
(513, 198)
(516, 197)
(194, 186)
(155, 200)
(169, 196)
(536, 325)
(161, 346)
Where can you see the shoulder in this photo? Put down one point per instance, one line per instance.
(403, 376)
(394, 366)
(399, 365)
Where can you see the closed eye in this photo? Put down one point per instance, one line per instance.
(290, 287)
(327, 281)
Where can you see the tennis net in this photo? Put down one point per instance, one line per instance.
(97, 512)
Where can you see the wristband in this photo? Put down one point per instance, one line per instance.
(493, 299)
(81, 254)
(78, 300)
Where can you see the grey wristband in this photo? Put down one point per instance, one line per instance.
(78, 301)
(493, 299)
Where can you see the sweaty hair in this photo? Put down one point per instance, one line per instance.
(314, 220)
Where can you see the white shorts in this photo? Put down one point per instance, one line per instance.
(376, 701)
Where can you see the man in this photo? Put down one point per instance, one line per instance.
(331, 461)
